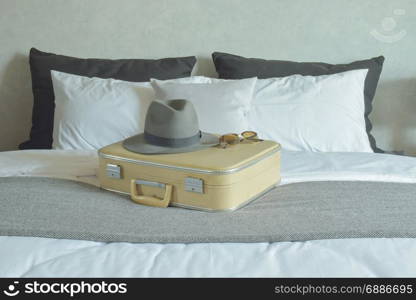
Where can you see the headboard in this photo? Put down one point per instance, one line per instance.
(303, 30)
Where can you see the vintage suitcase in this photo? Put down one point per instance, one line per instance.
(213, 179)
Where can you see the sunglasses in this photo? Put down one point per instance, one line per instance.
(234, 139)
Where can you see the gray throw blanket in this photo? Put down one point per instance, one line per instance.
(55, 208)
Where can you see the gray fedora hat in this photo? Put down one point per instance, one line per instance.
(170, 127)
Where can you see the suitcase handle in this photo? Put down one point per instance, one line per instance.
(149, 200)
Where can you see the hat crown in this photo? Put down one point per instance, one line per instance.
(172, 119)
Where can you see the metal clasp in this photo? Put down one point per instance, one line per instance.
(195, 185)
(113, 171)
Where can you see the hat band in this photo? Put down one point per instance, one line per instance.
(169, 142)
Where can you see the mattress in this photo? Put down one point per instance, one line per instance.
(44, 257)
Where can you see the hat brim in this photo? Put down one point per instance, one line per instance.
(138, 144)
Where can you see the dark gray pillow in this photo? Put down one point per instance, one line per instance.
(136, 70)
(231, 66)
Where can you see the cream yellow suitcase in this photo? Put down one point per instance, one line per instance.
(213, 179)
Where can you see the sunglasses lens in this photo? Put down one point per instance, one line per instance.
(230, 139)
(249, 134)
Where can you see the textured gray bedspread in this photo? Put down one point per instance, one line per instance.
(55, 208)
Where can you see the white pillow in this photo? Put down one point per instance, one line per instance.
(312, 113)
(222, 105)
(91, 113)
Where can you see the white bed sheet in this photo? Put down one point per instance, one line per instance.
(43, 257)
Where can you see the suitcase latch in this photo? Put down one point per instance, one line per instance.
(194, 185)
(113, 171)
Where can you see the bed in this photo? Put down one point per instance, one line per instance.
(22, 256)
(319, 112)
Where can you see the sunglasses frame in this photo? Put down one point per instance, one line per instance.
(230, 139)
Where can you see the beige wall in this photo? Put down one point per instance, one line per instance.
(323, 30)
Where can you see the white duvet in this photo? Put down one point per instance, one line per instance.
(43, 257)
